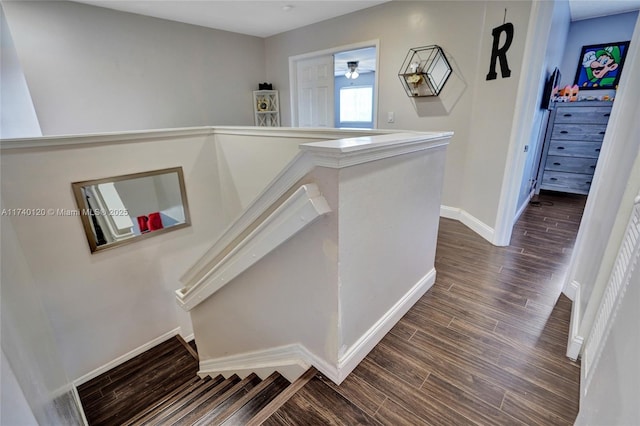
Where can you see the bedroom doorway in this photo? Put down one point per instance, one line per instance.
(328, 91)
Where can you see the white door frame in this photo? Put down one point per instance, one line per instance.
(293, 78)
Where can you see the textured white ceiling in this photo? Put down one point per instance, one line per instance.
(264, 18)
(258, 18)
(584, 9)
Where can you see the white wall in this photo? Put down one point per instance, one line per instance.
(477, 154)
(106, 304)
(593, 257)
(396, 199)
(336, 284)
(17, 115)
(553, 54)
(249, 161)
(612, 28)
(92, 69)
(139, 196)
(14, 409)
(611, 397)
(28, 342)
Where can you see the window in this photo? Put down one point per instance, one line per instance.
(356, 104)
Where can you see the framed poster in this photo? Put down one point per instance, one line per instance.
(600, 65)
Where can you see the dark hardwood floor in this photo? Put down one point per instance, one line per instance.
(131, 388)
(486, 345)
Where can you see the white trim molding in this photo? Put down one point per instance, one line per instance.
(301, 209)
(294, 359)
(571, 289)
(293, 74)
(363, 149)
(289, 360)
(330, 153)
(470, 221)
(574, 344)
(126, 357)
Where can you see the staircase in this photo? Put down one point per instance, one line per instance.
(160, 387)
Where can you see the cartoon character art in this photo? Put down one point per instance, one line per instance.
(601, 65)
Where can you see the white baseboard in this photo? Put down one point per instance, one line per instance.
(290, 360)
(574, 345)
(524, 206)
(450, 212)
(476, 225)
(126, 357)
(570, 289)
(357, 352)
(76, 398)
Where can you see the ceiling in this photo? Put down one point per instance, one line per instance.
(257, 18)
(366, 59)
(584, 9)
(264, 18)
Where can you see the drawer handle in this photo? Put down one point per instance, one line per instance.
(588, 182)
(592, 167)
(564, 132)
(556, 164)
(553, 178)
(568, 115)
(597, 149)
(602, 133)
(560, 148)
(607, 114)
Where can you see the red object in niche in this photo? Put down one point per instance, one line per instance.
(155, 221)
(143, 223)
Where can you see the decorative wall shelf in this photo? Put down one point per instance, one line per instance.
(425, 71)
(266, 106)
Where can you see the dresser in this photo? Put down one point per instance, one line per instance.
(572, 145)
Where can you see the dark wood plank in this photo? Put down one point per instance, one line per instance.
(255, 400)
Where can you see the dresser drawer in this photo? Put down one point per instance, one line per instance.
(571, 164)
(579, 132)
(587, 115)
(566, 182)
(575, 148)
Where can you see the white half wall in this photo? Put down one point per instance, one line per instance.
(329, 293)
(106, 304)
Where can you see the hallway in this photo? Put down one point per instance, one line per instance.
(486, 345)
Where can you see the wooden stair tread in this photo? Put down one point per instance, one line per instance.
(171, 399)
(281, 398)
(257, 398)
(127, 368)
(228, 399)
(170, 363)
(161, 387)
(163, 417)
(202, 405)
(164, 401)
(127, 400)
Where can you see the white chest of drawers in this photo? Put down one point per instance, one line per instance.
(572, 145)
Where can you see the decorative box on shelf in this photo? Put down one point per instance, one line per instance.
(425, 71)
(266, 107)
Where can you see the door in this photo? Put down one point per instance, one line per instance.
(315, 91)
